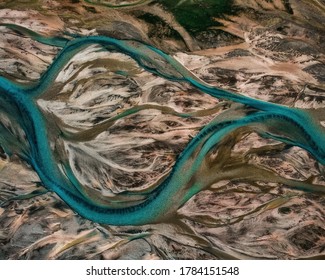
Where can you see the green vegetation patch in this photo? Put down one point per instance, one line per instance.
(198, 15)
(21, 4)
(160, 28)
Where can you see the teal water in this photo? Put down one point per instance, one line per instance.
(289, 125)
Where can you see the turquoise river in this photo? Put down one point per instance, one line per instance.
(291, 126)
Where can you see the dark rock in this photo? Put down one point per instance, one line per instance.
(238, 52)
(216, 38)
(284, 210)
(307, 237)
(301, 47)
(317, 70)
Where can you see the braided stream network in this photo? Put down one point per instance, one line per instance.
(193, 170)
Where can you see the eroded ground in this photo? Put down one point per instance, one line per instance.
(269, 50)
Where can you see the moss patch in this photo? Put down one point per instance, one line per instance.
(198, 15)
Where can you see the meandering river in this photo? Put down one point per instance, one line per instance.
(292, 126)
